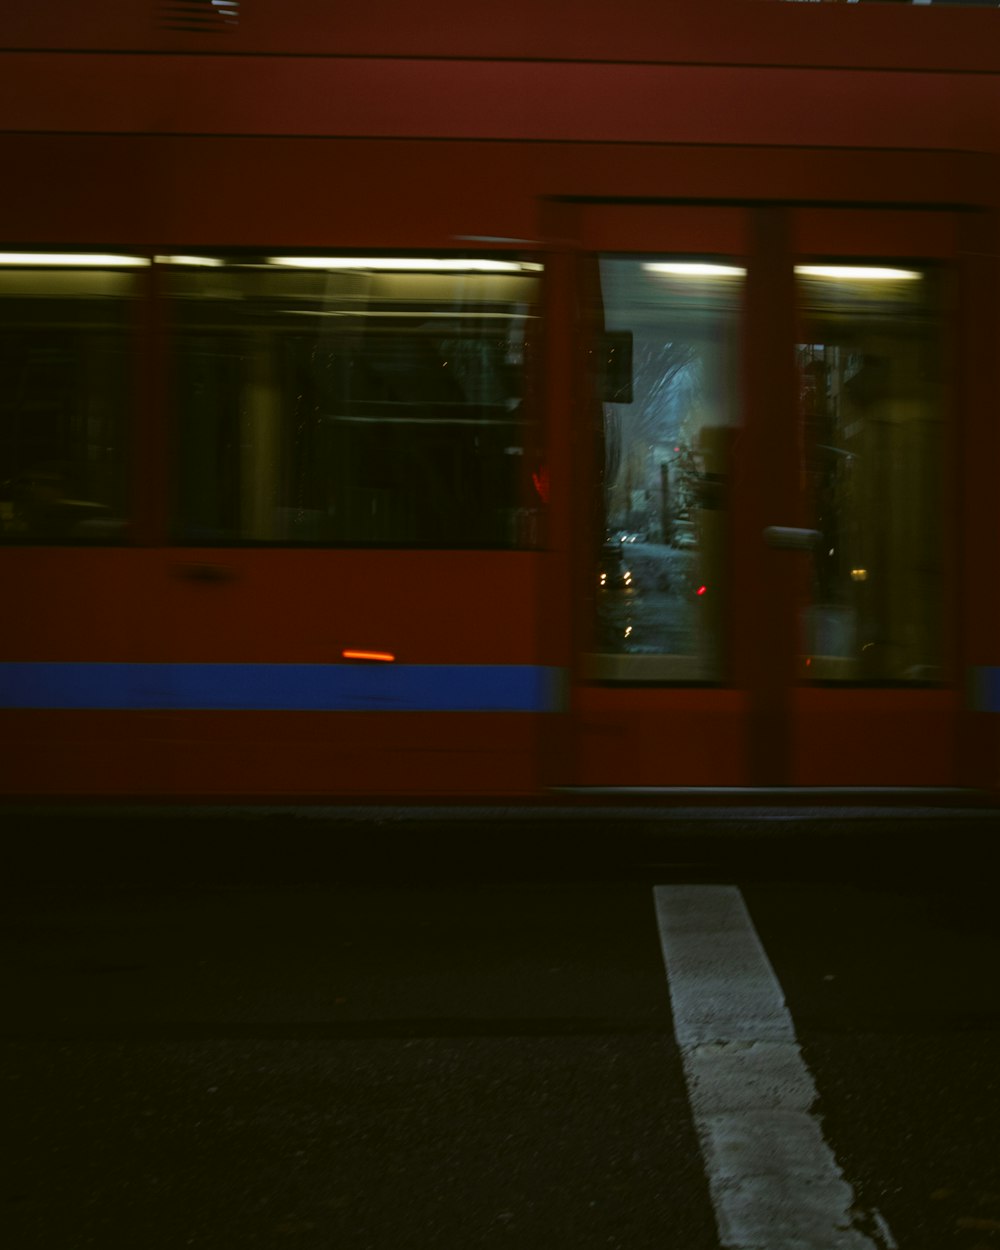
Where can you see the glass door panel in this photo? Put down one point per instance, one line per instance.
(660, 575)
(765, 552)
(871, 377)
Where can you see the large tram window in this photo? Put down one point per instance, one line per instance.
(872, 387)
(65, 377)
(660, 575)
(355, 400)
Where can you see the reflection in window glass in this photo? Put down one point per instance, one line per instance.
(65, 380)
(660, 580)
(872, 406)
(356, 400)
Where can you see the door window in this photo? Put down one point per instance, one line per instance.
(662, 530)
(872, 403)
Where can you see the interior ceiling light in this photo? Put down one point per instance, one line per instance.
(694, 269)
(866, 273)
(205, 261)
(414, 263)
(63, 259)
(706, 269)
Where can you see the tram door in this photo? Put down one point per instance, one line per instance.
(766, 572)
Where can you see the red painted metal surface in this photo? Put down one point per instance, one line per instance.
(158, 191)
(506, 100)
(550, 131)
(247, 605)
(875, 737)
(677, 31)
(269, 756)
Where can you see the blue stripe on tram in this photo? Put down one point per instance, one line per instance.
(985, 689)
(282, 687)
(317, 687)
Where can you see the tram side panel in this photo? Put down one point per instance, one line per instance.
(204, 653)
(336, 591)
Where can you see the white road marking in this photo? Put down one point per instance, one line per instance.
(774, 1181)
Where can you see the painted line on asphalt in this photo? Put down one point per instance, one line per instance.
(774, 1181)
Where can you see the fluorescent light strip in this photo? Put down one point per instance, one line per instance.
(864, 273)
(212, 262)
(694, 269)
(704, 269)
(65, 259)
(419, 264)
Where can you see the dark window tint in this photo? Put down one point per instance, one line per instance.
(355, 401)
(65, 378)
(873, 404)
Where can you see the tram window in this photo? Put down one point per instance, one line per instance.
(615, 361)
(660, 568)
(355, 400)
(65, 379)
(872, 385)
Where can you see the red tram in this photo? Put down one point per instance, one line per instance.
(402, 401)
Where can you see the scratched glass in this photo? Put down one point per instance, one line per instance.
(660, 571)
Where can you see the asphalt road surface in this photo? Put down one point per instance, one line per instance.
(779, 1035)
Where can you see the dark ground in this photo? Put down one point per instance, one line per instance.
(390, 1030)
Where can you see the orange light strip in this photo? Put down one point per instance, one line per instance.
(384, 657)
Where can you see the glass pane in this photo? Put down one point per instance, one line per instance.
(872, 385)
(660, 581)
(65, 384)
(356, 400)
